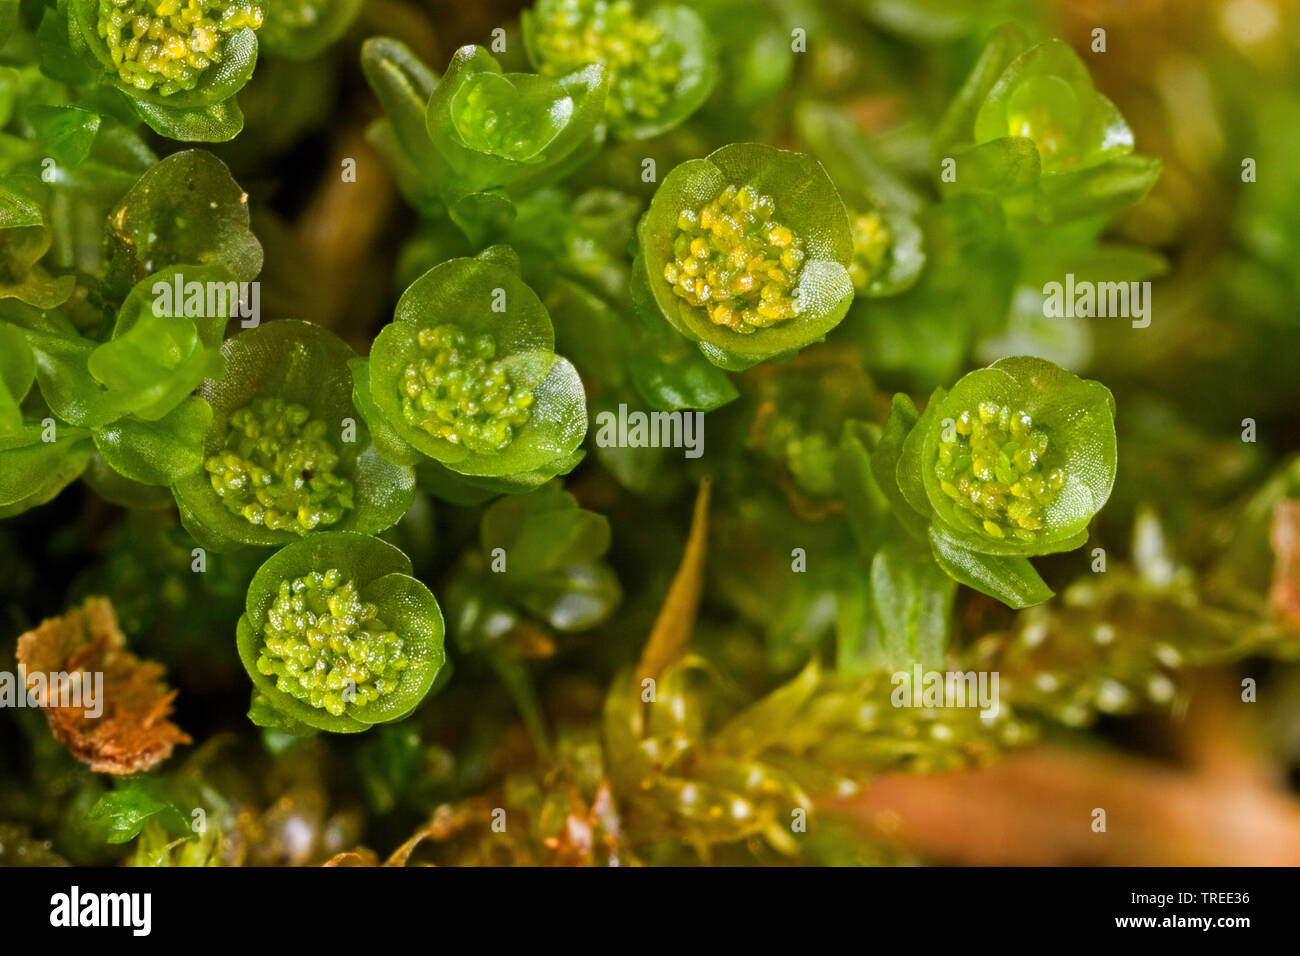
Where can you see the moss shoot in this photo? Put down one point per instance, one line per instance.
(327, 647)
(642, 62)
(278, 469)
(458, 392)
(732, 259)
(167, 45)
(991, 464)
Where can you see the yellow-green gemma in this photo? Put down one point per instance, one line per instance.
(455, 389)
(991, 464)
(277, 469)
(166, 45)
(735, 261)
(327, 647)
(643, 69)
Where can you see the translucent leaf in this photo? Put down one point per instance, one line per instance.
(184, 210)
(1010, 579)
(159, 452)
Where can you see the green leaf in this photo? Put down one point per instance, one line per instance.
(1047, 95)
(67, 131)
(494, 129)
(868, 509)
(127, 810)
(574, 598)
(885, 464)
(403, 85)
(912, 599)
(159, 452)
(33, 470)
(1005, 167)
(185, 210)
(1097, 191)
(1010, 579)
(17, 373)
(302, 31)
(958, 124)
(262, 713)
(213, 123)
(542, 532)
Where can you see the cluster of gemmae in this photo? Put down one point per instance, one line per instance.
(457, 392)
(732, 259)
(278, 468)
(642, 62)
(166, 45)
(991, 464)
(327, 647)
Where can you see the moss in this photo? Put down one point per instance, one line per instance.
(642, 62)
(732, 259)
(167, 45)
(277, 469)
(871, 244)
(327, 647)
(991, 463)
(457, 392)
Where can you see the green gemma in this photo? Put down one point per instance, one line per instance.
(732, 259)
(167, 45)
(337, 635)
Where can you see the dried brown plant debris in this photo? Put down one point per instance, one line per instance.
(132, 731)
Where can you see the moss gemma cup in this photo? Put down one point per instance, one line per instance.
(747, 252)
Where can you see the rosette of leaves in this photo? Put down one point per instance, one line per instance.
(661, 62)
(1013, 461)
(65, 164)
(385, 629)
(302, 29)
(480, 129)
(539, 556)
(466, 374)
(538, 570)
(133, 391)
(179, 62)
(1029, 123)
(746, 253)
(888, 244)
(287, 454)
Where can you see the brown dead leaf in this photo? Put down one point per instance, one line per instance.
(132, 732)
